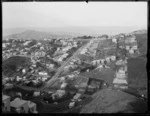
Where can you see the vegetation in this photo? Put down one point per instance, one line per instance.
(137, 75)
(14, 62)
(84, 37)
(142, 42)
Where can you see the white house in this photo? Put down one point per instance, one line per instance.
(66, 48)
(77, 96)
(119, 62)
(114, 40)
(43, 73)
(107, 59)
(36, 93)
(44, 78)
(62, 79)
(98, 62)
(102, 61)
(63, 85)
(27, 42)
(18, 78)
(132, 39)
(127, 47)
(4, 45)
(125, 68)
(120, 76)
(72, 104)
(94, 62)
(71, 76)
(121, 71)
(119, 81)
(6, 102)
(51, 65)
(134, 47)
(23, 71)
(38, 43)
(83, 51)
(113, 58)
(71, 63)
(41, 48)
(59, 93)
(131, 51)
(121, 86)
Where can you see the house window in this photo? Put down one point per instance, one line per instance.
(22, 110)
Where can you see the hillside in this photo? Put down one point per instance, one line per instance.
(13, 63)
(137, 73)
(142, 42)
(112, 101)
(139, 31)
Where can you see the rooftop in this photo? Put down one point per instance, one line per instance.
(17, 103)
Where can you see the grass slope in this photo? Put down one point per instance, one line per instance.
(137, 73)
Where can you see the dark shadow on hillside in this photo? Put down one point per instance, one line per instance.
(139, 106)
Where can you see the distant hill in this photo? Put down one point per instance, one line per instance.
(32, 34)
(139, 31)
(73, 30)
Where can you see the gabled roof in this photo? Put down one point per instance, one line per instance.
(4, 97)
(17, 103)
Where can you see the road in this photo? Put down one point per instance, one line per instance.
(60, 69)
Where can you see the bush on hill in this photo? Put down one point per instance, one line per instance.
(142, 42)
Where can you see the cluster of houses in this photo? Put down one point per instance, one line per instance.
(108, 52)
(30, 75)
(131, 44)
(91, 47)
(37, 52)
(62, 53)
(61, 93)
(127, 42)
(18, 105)
(30, 47)
(120, 80)
(60, 58)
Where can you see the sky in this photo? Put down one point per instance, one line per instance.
(59, 14)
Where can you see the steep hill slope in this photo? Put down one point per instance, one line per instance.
(14, 62)
(137, 73)
(112, 101)
(142, 42)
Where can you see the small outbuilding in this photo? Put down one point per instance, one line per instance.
(6, 103)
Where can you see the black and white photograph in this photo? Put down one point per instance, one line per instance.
(74, 57)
